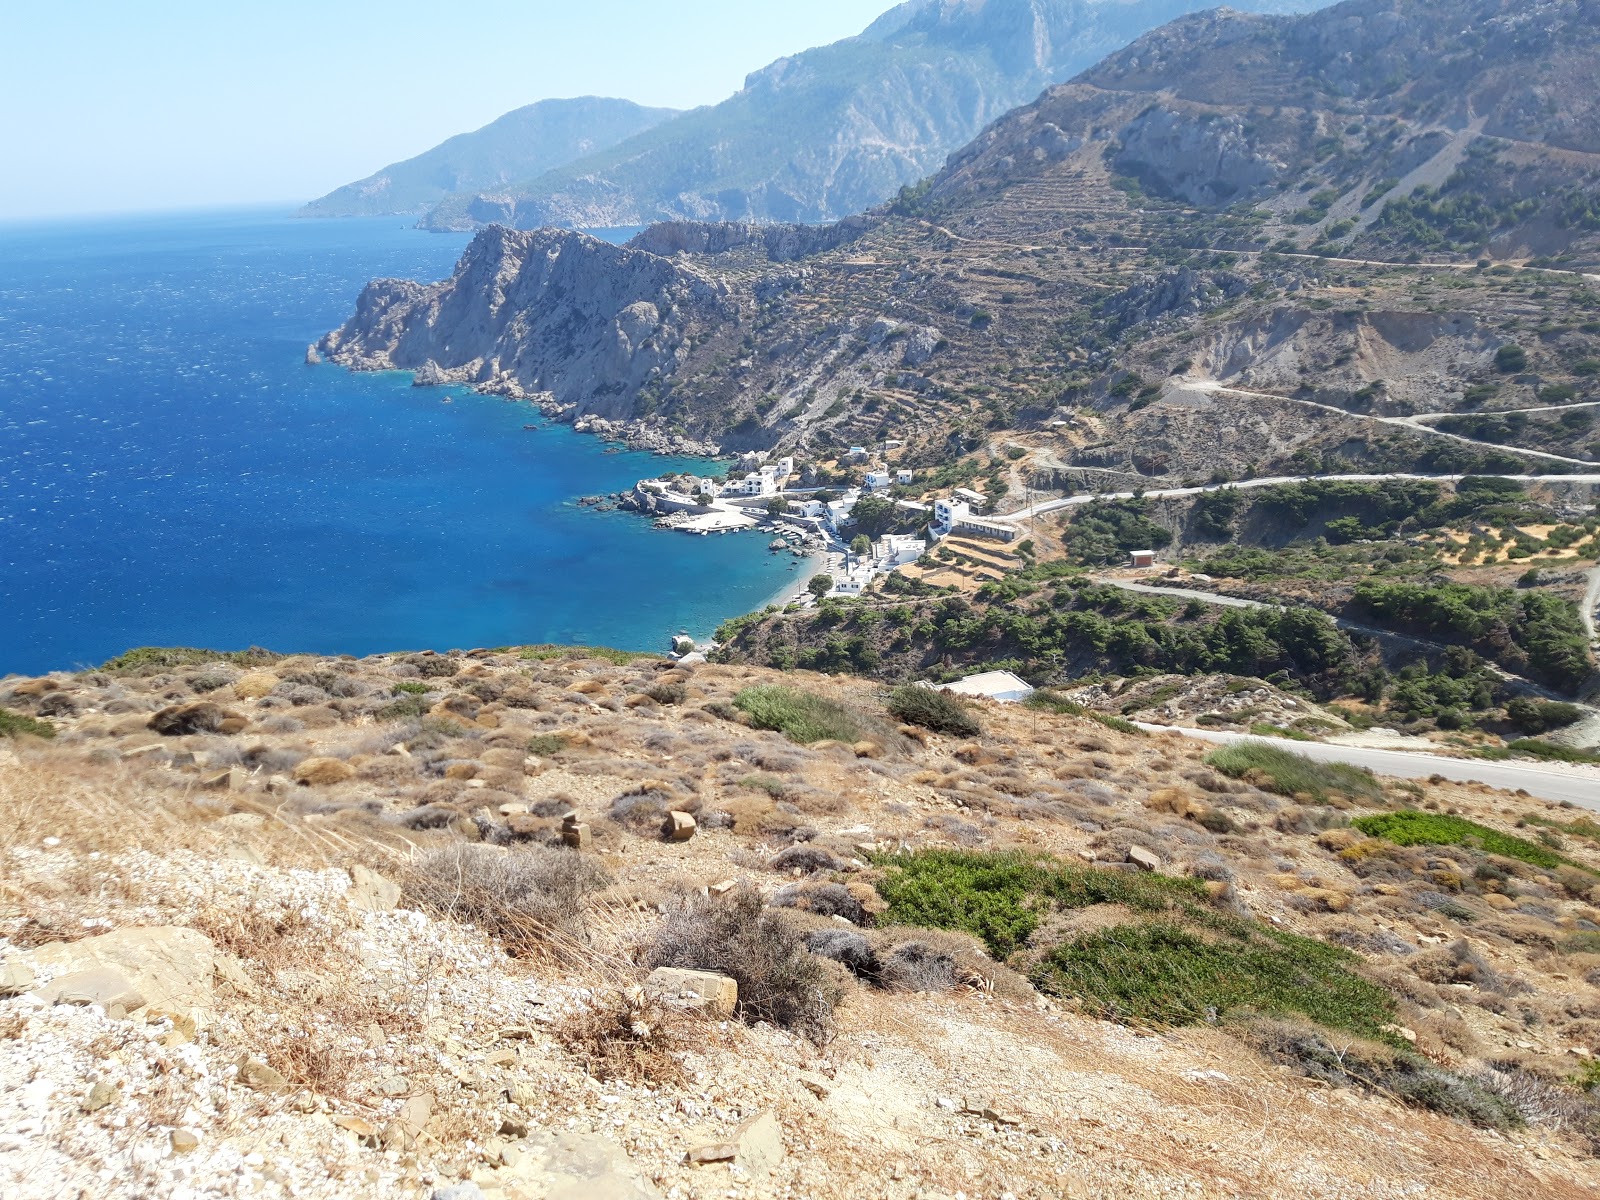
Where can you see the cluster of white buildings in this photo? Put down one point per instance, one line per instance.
(764, 482)
(953, 514)
(853, 572)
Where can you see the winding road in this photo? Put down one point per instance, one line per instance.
(1563, 785)
(1061, 502)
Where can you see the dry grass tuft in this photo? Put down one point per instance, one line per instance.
(625, 1034)
(529, 897)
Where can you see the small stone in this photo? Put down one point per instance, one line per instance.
(184, 1140)
(100, 1095)
(702, 990)
(371, 892)
(16, 977)
(257, 1076)
(231, 780)
(760, 1144)
(723, 887)
(577, 837)
(815, 1084)
(513, 1127)
(395, 1086)
(501, 1058)
(681, 827)
(363, 1130)
(1145, 860)
(459, 1191)
(714, 1153)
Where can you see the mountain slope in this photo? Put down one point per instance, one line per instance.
(522, 143)
(1150, 286)
(833, 130)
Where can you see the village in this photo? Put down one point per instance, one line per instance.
(822, 523)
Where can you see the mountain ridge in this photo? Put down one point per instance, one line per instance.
(527, 140)
(827, 132)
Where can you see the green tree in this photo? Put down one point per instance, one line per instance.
(820, 585)
(861, 545)
(777, 506)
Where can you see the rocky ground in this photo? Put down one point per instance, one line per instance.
(325, 928)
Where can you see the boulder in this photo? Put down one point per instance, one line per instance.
(757, 1146)
(704, 991)
(103, 986)
(680, 826)
(169, 970)
(180, 720)
(1145, 860)
(323, 772)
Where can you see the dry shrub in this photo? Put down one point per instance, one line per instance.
(806, 859)
(823, 900)
(918, 967)
(628, 1034)
(780, 981)
(530, 897)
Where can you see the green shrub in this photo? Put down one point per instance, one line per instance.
(1541, 716)
(1290, 774)
(406, 708)
(1411, 828)
(799, 716)
(166, 658)
(546, 744)
(1551, 752)
(620, 658)
(1000, 897)
(15, 724)
(1163, 974)
(1178, 961)
(1510, 359)
(917, 705)
(411, 688)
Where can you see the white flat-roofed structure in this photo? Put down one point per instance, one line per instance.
(1001, 686)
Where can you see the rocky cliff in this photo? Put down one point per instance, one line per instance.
(582, 324)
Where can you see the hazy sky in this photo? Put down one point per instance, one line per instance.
(118, 105)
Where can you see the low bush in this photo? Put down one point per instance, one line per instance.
(1550, 752)
(626, 1035)
(1411, 828)
(800, 716)
(1001, 897)
(930, 709)
(1375, 1066)
(619, 658)
(166, 658)
(529, 897)
(780, 981)
(15, 724)
(918, 967)
(1160, 973)
(1175, 961)
(1275, 769)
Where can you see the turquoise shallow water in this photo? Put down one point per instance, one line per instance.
(172, 473)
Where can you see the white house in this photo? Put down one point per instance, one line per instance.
(877, 481)
(897, 550)
(905, 477)
(948, 513)
(757, 483)
(857, 454)
(976, 499)
(991, 685)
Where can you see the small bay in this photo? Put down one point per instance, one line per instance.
(172, 473)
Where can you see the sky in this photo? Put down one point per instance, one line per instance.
(115, 106)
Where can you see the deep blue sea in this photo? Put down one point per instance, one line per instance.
(172, 473)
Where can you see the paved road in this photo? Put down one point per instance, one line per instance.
(1059, 503)
(1547, 782)
(1413, 423)
(1591, 604)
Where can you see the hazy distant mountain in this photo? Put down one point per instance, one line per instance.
(831, 131)
(519, 145)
